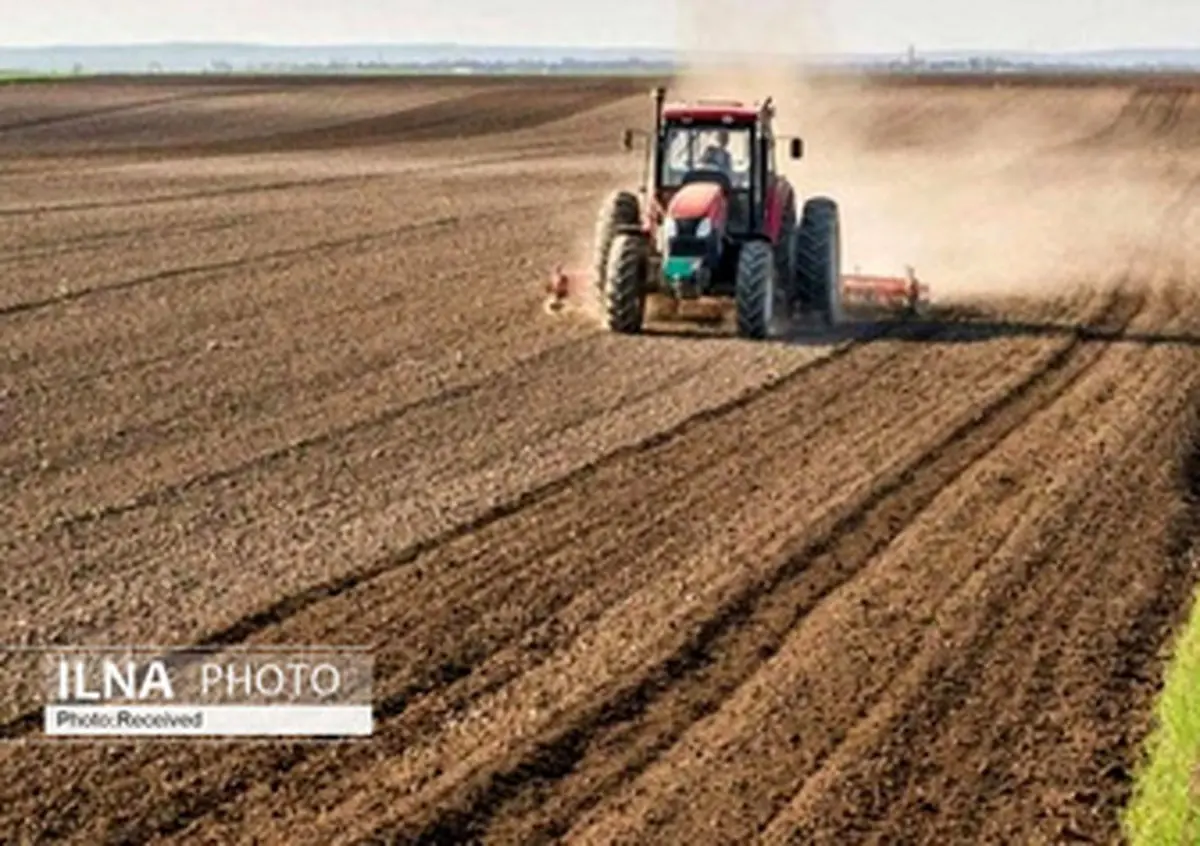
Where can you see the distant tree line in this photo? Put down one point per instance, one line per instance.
(466, 66)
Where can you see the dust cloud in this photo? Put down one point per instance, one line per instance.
(749, 51)
(987, 191)
(1018, 209)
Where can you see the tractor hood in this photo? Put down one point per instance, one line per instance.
(697, 200)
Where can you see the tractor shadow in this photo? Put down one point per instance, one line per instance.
(965, 324)
(949, 328)
(981, 331)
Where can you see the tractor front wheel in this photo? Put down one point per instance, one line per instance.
(619, 209)
(819, 259)
(755, 290)
(625, 291)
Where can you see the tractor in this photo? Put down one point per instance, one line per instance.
(715, 218)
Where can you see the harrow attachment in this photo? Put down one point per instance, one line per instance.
(903, 295)
(563, 287)
(906, 294)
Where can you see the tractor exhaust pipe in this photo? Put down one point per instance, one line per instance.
(660, 98)
(659, 94)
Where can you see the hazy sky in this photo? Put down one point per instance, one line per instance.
(854, 24)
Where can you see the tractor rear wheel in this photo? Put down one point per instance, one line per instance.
(625, 291)
(755, 290)
(819, 259)
(619, 208)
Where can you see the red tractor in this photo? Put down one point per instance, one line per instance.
(715, 218)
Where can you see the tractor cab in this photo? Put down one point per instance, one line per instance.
(711, 182)
(703, 163)
(714, 160)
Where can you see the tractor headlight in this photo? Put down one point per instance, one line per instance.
(704, 228)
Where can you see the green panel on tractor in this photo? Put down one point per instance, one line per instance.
(678, 269)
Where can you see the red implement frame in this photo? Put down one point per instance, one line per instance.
(562, 287)
(904, 292)
(859, 290)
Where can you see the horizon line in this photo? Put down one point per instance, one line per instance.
(607, 48)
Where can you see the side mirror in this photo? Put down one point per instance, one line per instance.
(797, 148)
(627, 139)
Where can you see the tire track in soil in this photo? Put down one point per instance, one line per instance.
(471, 115)
(260, 461)
(428, 483)
(1152, 114)
(185, 196)
(152, 430)
(551, 809)
(288, 254)
(102, 111)
(650, 715)
(157, 430)
(89, 243)
(82, 376)
(208, 803)
(1066, 605)
(600, 519)
(1084, 613)
(174, 817)
(139, 563)
(464, 670)
(459, 658)
(52, 284)
(25, 384)
(289, 606)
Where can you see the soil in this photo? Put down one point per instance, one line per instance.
(276, 371)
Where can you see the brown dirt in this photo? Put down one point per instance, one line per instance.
(275, 370)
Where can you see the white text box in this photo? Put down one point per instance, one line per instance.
(209, 721)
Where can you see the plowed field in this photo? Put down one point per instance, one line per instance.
(274, 370)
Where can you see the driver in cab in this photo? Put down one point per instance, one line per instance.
(716, 155)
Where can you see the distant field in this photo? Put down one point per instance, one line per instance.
(383, 75)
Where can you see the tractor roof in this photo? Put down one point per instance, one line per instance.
(738, 113)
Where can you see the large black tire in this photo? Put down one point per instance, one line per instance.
(625, 291)
(755, 289)
(819, 259)
(619, 209)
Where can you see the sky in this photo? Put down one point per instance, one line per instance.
(849, 25)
